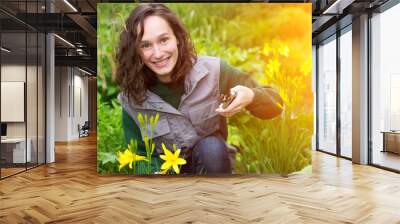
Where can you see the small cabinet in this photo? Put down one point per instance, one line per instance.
(391, 141)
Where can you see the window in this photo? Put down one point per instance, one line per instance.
(327, 96)
(346, 93)
(385, 87)
(22, 66)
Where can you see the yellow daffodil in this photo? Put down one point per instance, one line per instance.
(128, 157)
(306, 67)
(273, 65)
(267, 49)
(171, 160)
(284, 50)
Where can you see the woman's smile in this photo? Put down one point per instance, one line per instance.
(159, 47)
(162, 63)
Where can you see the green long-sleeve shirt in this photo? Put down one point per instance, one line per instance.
(229, 77)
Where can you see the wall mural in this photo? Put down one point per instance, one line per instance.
(204, 88)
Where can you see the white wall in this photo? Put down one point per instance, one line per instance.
(13, 73)
(80, 101)
(61, 103)
(71, 94)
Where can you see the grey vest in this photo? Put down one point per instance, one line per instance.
(195, 118)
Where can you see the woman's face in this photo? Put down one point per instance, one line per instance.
(159, 47)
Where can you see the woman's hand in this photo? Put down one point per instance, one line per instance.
(244, 96)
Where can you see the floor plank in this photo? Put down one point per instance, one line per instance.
(70, 191)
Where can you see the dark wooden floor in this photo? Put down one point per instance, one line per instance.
(70, 191)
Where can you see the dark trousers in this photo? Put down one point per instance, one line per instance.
(208, 156)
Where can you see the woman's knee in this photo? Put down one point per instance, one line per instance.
(211, 146)
(211, 154)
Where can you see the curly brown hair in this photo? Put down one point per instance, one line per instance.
(133, 77)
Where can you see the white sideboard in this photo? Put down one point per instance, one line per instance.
(18, 150)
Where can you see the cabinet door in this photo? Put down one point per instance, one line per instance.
(392, 142)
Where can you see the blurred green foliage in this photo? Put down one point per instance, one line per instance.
(110, 137)
(262, 40)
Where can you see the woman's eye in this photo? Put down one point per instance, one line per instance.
(164, 40)
(145, 46)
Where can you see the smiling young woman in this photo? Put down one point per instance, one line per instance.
(149, 48)
(159, 47)
(160, 73)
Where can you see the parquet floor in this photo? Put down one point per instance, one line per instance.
(70, 191)
(9, 171)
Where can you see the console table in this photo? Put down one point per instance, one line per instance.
(13, 150)
(391, 141)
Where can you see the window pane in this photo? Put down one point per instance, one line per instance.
(41, 99)
(346, 94)
(386, 89)
(31, 97)
(15, 150)
(327, 97)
